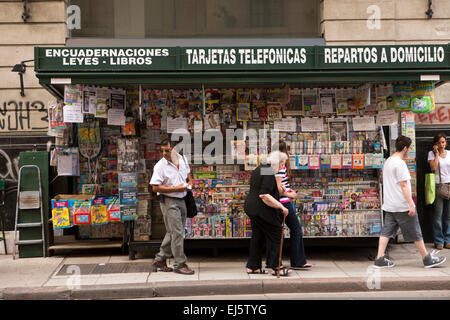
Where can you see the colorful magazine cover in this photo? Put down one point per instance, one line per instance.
(227, 96)
(212, 121)
(229, 119)
(243, 95)
(259, 111)
(243, 111)
(274, 111)
(258, 95)
(295, 105)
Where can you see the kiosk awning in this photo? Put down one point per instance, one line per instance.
(56, 66)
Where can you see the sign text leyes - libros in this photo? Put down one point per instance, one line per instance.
(93, 57)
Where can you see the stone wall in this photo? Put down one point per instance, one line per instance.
(45, 27)
(352, 22)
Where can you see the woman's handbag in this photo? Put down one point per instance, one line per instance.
(430, 188)
(444, 188)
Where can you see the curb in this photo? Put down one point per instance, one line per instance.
(219, 287)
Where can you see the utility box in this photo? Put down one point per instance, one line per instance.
(29, 182)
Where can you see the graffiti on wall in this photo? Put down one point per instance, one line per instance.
(441, 115)
(23, 116)
(9, 168)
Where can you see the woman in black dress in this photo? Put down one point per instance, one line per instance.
(266, 216)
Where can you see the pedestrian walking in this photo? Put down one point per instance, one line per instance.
(265, 213)
(439, 160)
(169, 181)
(399, 208)
(287, 199)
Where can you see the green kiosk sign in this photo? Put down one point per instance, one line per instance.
(64, 59)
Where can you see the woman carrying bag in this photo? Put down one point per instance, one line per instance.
(439, 160)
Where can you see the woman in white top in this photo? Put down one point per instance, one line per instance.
(439, 160)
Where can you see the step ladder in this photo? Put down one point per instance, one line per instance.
(29, 200)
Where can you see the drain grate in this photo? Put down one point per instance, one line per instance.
(107, 268)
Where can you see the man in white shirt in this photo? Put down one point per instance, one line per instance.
(399, 208)
(169, 181)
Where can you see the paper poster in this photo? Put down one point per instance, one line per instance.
(310, 98)
(327, 101)
(116, 117)
(286, 125)
(176, 124)
(314, 161)
(56, 117)
(358, 161)
(73, 94)
(325, 161)
(118, 99)
(89, 100)
(368, 159)
(387, 118)
(338, 129)
(341, 101)
(347, 161)
(72, 113)
(312, 124)
(336, 161)
(293, 161)
(68, 164)
(377, 160)
(101, 105)
(364, 124)
(302, 161)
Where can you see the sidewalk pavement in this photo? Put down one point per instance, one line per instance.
(334, 270)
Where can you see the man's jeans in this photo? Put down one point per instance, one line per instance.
(441, 220)
(174, 214)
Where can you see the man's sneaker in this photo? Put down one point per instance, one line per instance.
(431, 261)
(184, 269)
(383, 262)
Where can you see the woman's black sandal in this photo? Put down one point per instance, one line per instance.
(256, 271)
(284, 272)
